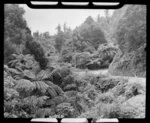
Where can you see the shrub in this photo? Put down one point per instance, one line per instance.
(58, 75)
(44, 112)
(109, 110)
(65, 109)
(119, 89)
(107, 97)
(81, 59)
(104, 84)
(102, 57)
(131, 38)
(71, 93)
(68, 80)
(134, 107)
(133, 89)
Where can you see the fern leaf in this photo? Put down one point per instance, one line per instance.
(58, 90)
(25, 85)
(41, 86)
(11, 70)
(29, 74)
(49, 83)
(51, 92)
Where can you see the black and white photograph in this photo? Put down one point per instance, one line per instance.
(74, 63)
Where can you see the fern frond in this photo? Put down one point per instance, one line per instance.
(58, 90)
(12, 63)
(41, 86)
(29, 75)
(25, 85)
(40, 75)
(51, 92)
(11, 70)
(49, 83)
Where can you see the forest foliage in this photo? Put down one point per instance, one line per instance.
(39, 68)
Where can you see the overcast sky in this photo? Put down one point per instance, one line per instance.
(43, 20)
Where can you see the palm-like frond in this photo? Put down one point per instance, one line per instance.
(12, 63)
(28, 74)
(51, 92)
(44, 75)
(11, 70)
(49, 83)
(25, 85)
(58, 90)
(39, 85)
(55, 88)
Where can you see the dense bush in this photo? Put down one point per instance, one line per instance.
(131, 38)
(15, 30)
(36, 50)
(91, 32)
(102, 57)
(80, 60)
(104, 84)
(107, 97)
(47, 75)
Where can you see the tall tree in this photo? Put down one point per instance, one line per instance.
(91, 32)
(15, 30)
(59, 39)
